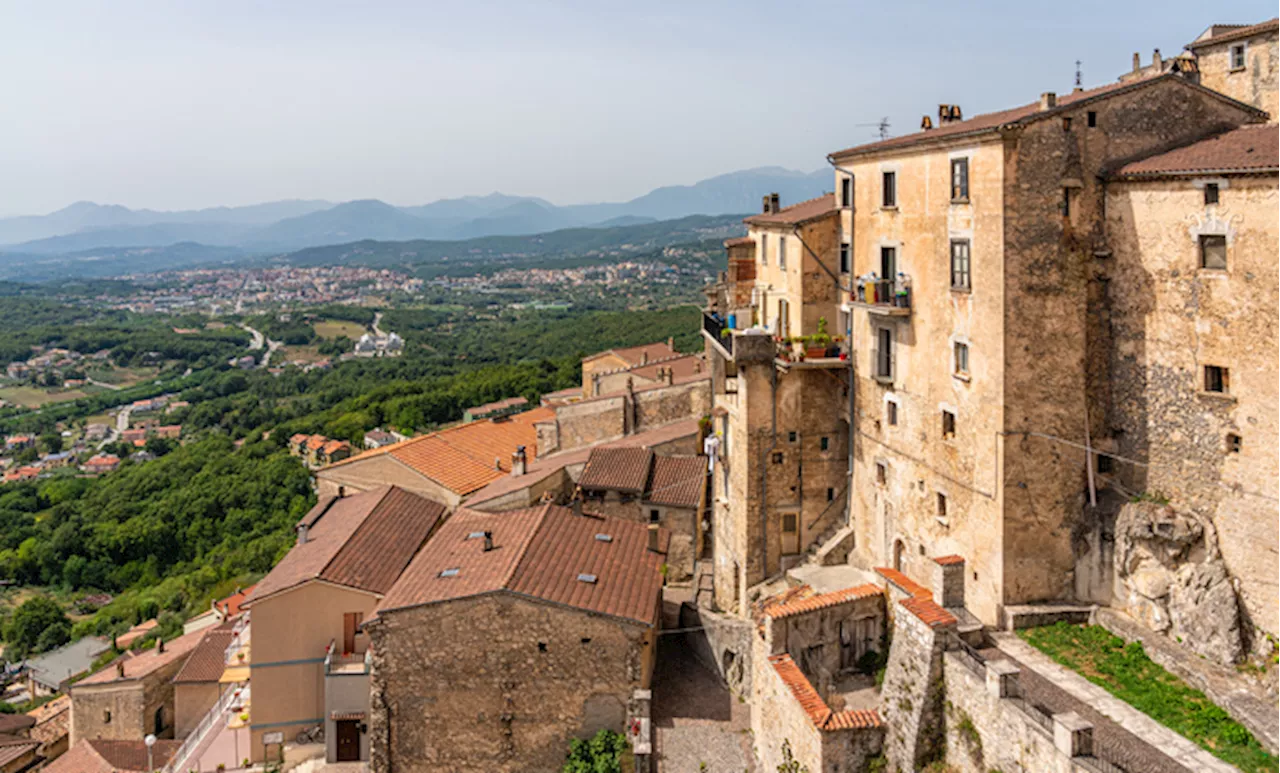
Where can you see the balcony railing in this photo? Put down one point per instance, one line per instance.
(336, 663)
(718, 329)
(882, 296)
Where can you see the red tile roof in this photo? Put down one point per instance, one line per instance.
(230, 605)
(104, 756)
(991, 122)
(362, 541)
(822, 601)
(316, 442)
(1247, 150)
(904, 583)
(741, 241)
(798, 213)
(498, 405)
(948, 560)
(681, 366)
(462, 458)
(928, 611)
(617, 469)
(677, 481)
(137, 632)
(541, 553)
(209, 658)
(635, 355)
(139, 665)
(822, 717)
(1233, 32)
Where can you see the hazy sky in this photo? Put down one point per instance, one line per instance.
(176, 104)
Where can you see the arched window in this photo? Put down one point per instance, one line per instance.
(898, 550)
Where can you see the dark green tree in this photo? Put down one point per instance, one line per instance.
(25, 633)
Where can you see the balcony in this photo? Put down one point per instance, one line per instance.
(717, 329)
(799, 354)
(349, 664)
(881, 297)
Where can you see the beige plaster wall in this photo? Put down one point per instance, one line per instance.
(1256, 84)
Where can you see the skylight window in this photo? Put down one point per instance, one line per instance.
(450, 572)
(604, 538)
(588, 578)
(477, 535)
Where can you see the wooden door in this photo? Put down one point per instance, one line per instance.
(350, 622)
(348, 740)
(790, 533)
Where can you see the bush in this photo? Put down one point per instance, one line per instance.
(601, 754)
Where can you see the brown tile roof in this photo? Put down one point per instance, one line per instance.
(822, 717)
(138, 665)
(681, 366)
(822, 601)
(991, 122)
(231, 604)
(209, 657)
(798, 213)
(637, 354)
(948, 560)
(1233, 32)
(334, 446)
(11, 723)
(104, 756)
(361, 541)
(462, 458)
(316, 442)
(677, 481)
(137, 632)
(1247, 150)
(928, 611)
(541, 553)
(741, 241)
(13, 748)
(617, 469)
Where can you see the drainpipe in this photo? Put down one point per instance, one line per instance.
(848, 516)
(764, 475)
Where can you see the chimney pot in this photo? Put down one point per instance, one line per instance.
(1048, 100)
(764, 204)
(1137, 61)
(518, 461)
(1156, 61)
(120, 669)
(302, 534)
(160, 645)
(775, 203)
(926, 123)
(488, 541)
(671, 343)
(342, 491)
(956, 114)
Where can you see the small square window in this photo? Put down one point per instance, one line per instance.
(922, 549)
(1216, 379)
(831, 494)
(942, 505)
(1234, 442)
(655, 516)
(891, 413)
(1092, 118)
(1104, 463)
(791, 437)
(882, 473)
(777, 458)
(961, 359)
(1210, 193)
(825, 443)
(889, 190)
(790, 523)
(1066, 123)
(948, 424)
(1213, 251)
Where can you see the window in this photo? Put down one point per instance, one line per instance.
(883, 359)
(882, 473)
(948, 424)
(1093, 119)
(1066, 123)
(1216, 379)
(791, 437)
(942, 505)
(1104, 463)
(831, 494)
(1066, 202)
(790, 523)
(959, 179)
(889, 190)
(1234, 442)
(1213, 252)
(844, 258)
(825, 443)
(782, 252)
(106, 717)
(1211, 193)
(764, 249)
(542, 646)
(655, 516)
(1237, 57)
(891, 413)
(961, 359)
(888, 262)
(846, 192)
(777, 458)
(960, 279)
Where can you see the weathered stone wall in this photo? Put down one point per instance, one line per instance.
(1257, 84)
(608, 418)
(108, 711)
(498, 683)
(911, 698)
(1170, 318)
(724, 644)
(814, 639)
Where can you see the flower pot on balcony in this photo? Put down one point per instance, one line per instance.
(813, 351)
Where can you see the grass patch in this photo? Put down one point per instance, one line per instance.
(299, 354)
(1125, 671)
(333, 328)
(34, 397)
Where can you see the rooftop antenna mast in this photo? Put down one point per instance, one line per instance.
(1078, 78)
(882, 126)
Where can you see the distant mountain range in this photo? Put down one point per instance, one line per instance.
(283, 226)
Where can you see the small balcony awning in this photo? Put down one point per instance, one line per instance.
(234, 674)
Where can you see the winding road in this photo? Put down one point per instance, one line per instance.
(256, 344)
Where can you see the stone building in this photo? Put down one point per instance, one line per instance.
(638, 485)
(511, 633)
(309, 663)
(1240, 61)
(52, 727)
(132, 696)
(974, 400)
(613, 360)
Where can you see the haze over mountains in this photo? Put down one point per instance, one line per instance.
(290, 225)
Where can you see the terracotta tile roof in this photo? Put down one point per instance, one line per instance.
(677, 481)
(1249, 149)
(362, 541)
(137, 632)
(231, 604)
(1233, 32)
(12, 723)
(336, 445)
(209, 657)
(142, 664)
(53, 720)
(316, 442)
(103, 756)
(635, 355)
(928, 611)
(822, 717)
(904, 583)
(617, 469)
(498, 405)
(822, 601)
(51, 709)
(298, 438)
(741, 241)
(681, 366)
(466, 457)
(948, 560)
(796, 214)
(545, 553)
(14, 747)
(991, 122)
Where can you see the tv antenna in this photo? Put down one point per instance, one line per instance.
(1078, 78)
(882, 126)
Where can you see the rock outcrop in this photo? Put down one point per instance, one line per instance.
(1171, 577)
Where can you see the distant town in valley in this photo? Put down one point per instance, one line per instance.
(958, 455)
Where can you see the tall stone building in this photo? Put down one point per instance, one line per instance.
(1241, 61)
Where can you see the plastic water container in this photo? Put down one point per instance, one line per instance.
(733, 321)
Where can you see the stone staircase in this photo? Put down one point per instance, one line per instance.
(704, 589)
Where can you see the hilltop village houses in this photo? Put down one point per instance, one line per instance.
(1016, 368)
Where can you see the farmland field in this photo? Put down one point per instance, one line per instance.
(333, 328)
(34, 397)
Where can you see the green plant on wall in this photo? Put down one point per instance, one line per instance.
(789, 763)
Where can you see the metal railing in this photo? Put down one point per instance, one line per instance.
(715, 326)
(333, 658)
(968, 656)
(178, 762)
(881, 292)
(241, 639)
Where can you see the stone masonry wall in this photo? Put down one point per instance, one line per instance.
(498, 684)
(911, 698)
(107, 711)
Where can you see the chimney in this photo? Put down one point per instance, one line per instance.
(926, 123)
(342, 491)
(775, 203)
(302, 534)
(1137, 62)
(944, 115)
(488, 541)
(669, 376)
(653, 537)
(644, 357)
(497, 462)
(1156, 62)
(764, 206)
(120, 669)
(1048, 100)
(956, 115)
(160, 646)
(671, 343)
(518, 460)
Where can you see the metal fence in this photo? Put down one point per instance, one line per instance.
(715, 326)
(210, 723)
